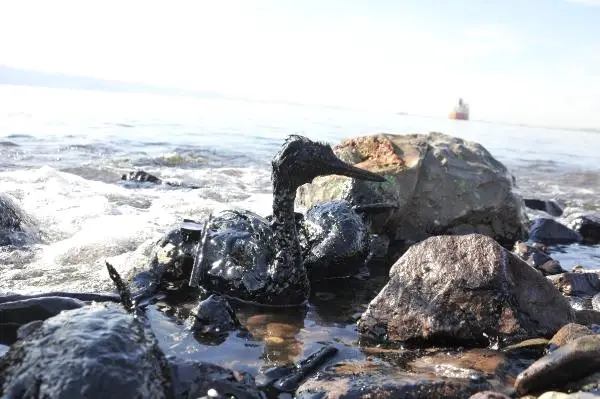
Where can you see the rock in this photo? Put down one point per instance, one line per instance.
(213, 315)
(568, 333)
(16, 227)
(587, 385)
(489, 395)
(195, 380)
(141, 176)
(463, 289)
(529, 348)
(578, 284)
(588, 226)
(20, 312)
(568, 363)
(551, 232)
(436, 184)
(537, 257)
(338, 241)
(550, 207)
(371, 379)
(587, 317)
(98, 351)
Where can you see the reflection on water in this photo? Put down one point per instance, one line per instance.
(273, 336)
(278, 331)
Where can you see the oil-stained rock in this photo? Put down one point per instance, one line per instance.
(436, 184)
(364, 379)
(98, 351)
(536, 256)
(465, 289)
(588, 226)
(550, 232)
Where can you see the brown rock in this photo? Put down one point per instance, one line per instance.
(467, 289)
(568, 333)
(568, 363)
(436, 184)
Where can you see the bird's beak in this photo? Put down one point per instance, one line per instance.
(339, 167)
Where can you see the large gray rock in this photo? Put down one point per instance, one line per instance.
(465, 289)
(436, 184)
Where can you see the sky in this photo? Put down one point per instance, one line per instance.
(521, 61)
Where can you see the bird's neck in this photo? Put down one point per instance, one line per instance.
(287, 271)
(284, 221)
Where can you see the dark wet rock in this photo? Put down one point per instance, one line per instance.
(16, 227)
(436, 184)
(141, 176)
(536, 256)
(17, 313)
(548, 206)
(588, 385)
(99, 351)
(373, 379)
(530, 348)
(587, 317)
(567, 333)
(578, 284)
(195, 380)
(550, 232)
(11, 215)
(588, 226)
(571, 362)
(338, 241)
(465, 289)
(213, 315)
(489, 395)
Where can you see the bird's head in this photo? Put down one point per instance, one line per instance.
(300, 160)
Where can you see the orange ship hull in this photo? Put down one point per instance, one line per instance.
(459, 115)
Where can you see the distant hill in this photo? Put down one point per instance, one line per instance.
(26, 77)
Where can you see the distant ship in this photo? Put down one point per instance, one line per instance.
(461, 111)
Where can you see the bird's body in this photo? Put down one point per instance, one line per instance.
(253, 259)
(338, 241)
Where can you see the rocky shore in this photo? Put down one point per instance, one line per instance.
(471, 303)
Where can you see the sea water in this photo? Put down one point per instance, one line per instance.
(62, 154)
